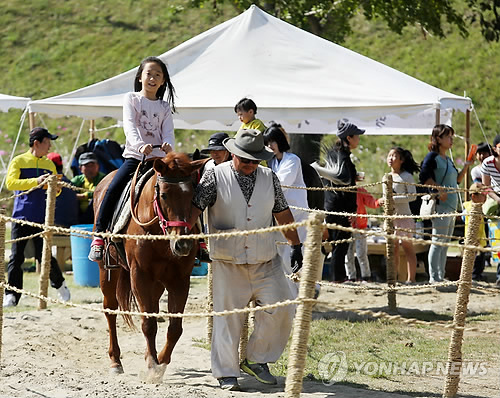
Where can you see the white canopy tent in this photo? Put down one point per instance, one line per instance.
(296, 78)
(9, 101)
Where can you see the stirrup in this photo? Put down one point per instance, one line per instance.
(107, 257)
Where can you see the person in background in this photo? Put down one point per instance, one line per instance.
(66, 203)
(242, 195)
(246, 111)
(402, 168)
(90, 177)
(218, 152)
(288, 169)
(26, 171)
(483, 151)
(490, 172)
(358, 243)
(340, 172)
(147, 122)
(478, 195)
(439, 170)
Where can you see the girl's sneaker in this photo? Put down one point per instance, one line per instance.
(96, 249)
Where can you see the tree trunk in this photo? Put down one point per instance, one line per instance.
(306, 146)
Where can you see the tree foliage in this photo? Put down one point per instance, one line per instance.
(331, 19)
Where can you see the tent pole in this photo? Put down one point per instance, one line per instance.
(438, 115)
(467, 148)
(92, 130)
(31, 119)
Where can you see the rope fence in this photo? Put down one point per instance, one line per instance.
(305, 301)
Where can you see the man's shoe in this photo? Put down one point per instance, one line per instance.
(9, 300)
(259, 370)
(96, 249)
(63, 292)
(229, 383)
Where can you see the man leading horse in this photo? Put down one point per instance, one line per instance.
(242, 195)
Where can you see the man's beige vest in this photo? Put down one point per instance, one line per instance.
(232, 213)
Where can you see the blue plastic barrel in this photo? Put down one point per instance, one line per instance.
(85, 272)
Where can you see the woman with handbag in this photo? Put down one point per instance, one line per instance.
(439, 170)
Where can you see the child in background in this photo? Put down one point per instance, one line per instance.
(402, 167)
(478, 195)
(246, 111)
(483, 151)
(147, 121)
(358, 244)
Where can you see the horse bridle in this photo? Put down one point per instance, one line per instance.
(159, 216)
(163, 221)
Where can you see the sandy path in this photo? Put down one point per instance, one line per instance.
(63, 353)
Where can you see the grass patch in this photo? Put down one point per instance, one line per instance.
(372, 347)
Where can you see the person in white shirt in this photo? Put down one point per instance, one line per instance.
(287, 166)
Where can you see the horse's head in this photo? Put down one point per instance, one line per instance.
(174, 189)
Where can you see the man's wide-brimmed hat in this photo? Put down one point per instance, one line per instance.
(215, 142)
(248, 144)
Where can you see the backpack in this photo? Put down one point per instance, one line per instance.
(108, 153)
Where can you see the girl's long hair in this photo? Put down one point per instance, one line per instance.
(408, 163)
(166, 85)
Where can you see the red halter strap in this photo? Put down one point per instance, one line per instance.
(164, 222)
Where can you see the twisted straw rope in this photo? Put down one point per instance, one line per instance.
(68, 231)
(151, 314)
(23, 193)
(25, 237)
(4, 285)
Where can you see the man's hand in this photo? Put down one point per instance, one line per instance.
(296, 258)
(42, 178)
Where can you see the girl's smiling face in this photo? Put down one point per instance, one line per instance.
(152, 79)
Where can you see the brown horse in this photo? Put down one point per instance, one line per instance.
(153, 266)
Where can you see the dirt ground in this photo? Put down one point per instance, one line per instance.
(62, 352)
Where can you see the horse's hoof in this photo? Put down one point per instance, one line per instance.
(116, 370)
(155, 374)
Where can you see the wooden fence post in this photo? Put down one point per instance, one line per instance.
(389, 247)
(454, 364)
(47, 240)
(2, 273)
(210, 302)
(302, 323)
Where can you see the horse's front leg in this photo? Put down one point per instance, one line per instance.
(147, 293)
(177, 297)
(108, 281)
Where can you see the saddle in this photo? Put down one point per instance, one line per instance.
(121, 216)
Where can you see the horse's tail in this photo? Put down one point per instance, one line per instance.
(125, 297)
